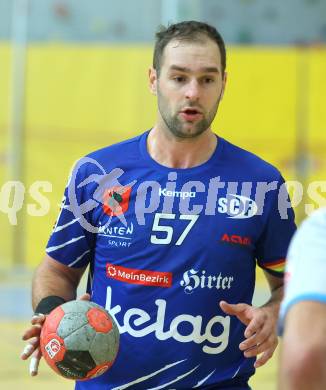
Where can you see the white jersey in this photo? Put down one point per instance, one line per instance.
(306, 264)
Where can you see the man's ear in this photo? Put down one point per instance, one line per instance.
(152, 76)
(225, 76)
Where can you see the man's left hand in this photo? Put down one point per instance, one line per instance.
(260, 334)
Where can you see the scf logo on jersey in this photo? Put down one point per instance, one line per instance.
(237, 206)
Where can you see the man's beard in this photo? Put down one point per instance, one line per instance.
(177, 127)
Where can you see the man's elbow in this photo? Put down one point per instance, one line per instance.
(303, 367)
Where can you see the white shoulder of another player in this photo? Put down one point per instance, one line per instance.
(317, 219)
(306, 264)
(311, 234)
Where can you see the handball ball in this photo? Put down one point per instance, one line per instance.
(79, 340)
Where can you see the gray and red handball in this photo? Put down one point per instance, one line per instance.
(79, 340)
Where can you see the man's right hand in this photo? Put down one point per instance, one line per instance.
(32, 335)
(33, 347)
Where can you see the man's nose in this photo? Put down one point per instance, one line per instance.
(192, 90)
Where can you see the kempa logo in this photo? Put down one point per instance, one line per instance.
(52, 348)
(237, 206)
(177, 194)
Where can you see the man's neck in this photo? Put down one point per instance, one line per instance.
(173, 152)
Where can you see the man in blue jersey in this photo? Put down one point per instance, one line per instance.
(303, 310)
(172, 224)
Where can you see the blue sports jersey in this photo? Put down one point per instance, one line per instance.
(164, 247)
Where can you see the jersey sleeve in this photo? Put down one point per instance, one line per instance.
(279, 228)
(306, 265)
(72, 241)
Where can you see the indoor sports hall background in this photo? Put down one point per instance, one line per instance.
(73, 78)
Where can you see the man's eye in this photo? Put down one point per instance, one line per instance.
(179, 79)
(208, 80)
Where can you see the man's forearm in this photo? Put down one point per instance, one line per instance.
(275, 300)
(276, 285)
(48, 281)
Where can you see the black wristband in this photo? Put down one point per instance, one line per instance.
(47, 304)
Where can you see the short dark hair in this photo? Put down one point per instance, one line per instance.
(188, 30)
